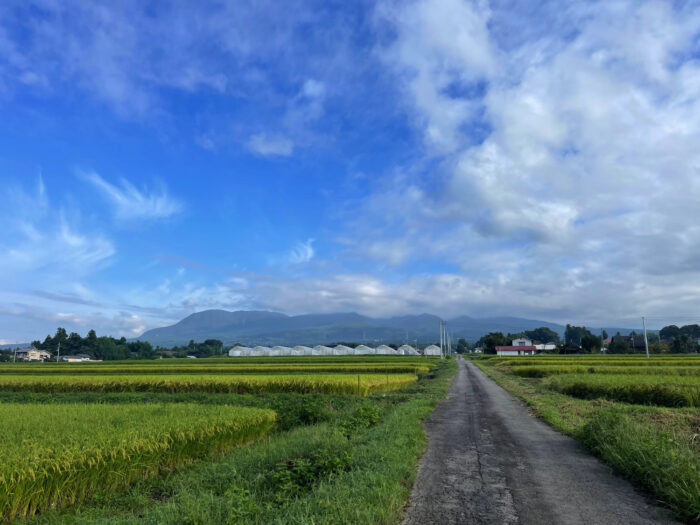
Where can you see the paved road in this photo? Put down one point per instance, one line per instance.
(489, 461)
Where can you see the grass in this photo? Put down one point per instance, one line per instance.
(334, 458)
(58, 455)
(622, 418)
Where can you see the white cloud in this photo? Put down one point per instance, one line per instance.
(583, 180)
(131, 203)
(301, 253)
(270, 145)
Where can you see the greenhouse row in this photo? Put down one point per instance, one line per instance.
(260, 351)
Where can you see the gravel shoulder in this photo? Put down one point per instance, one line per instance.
(488, 461)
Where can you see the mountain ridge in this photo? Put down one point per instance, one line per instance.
(252, 327)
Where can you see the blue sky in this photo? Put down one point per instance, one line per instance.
(457, 157)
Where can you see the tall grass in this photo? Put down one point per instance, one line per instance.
(659, 460)
(56, 455)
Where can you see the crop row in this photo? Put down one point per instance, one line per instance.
(352, 368)
(57, 455)
(546, 371)
(672, 391)
(300, 360)
(601, 361)
(362, 384)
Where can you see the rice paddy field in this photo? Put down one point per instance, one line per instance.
(640, 415)
(251, 440)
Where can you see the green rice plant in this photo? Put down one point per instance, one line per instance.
(671, 391)
(360, 384)
(57, 455)
(545, 371)
(597, 361)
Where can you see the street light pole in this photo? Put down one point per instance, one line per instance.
(646, 341)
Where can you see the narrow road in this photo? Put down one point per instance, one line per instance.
(489, 461)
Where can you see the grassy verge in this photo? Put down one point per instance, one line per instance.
(656, 447)
(340, 459)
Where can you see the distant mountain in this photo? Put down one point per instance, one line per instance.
(15, 345)
(270, 328)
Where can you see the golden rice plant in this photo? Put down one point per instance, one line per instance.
(57, 455)
(360, 384)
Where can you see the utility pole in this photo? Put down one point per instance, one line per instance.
(58, 355)
(646, 341)
(441, 350)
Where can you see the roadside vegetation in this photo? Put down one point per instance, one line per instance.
(331, 457)
(639, 415)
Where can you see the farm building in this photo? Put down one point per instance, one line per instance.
(240, 351)
(385, 350)
(342, 350)
(432, 350)
(260, 351)
(546, 347)
(522, 342)
(322, 350)
(407, 350)
(363, 350)
(76, 358)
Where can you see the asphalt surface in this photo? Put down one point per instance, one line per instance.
(489, 461)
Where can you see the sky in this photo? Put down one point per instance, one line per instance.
(532, 159)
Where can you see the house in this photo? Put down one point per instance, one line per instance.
(513, 350)
(522, 342)
(32, 354)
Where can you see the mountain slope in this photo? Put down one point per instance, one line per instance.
(271, 328)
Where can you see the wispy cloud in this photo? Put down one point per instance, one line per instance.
(303, 252)
(270, 145)
(131, 203)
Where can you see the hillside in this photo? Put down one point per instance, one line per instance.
(270, 328)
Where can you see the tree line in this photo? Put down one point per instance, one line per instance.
(108, 348)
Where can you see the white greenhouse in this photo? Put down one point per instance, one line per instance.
(364, 350)
(342, 350)
(407, 350)
(239, 351)
(385, 350)
(432, 350)
(322, 350)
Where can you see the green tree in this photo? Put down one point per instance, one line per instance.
(462, 346)
(670, 332)
(591, 343)
(574, 334)
(492, 340)
(543, 335)
(619, 347)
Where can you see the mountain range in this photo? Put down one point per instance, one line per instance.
(272, 328)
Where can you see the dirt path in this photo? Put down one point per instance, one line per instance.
(489, 461)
